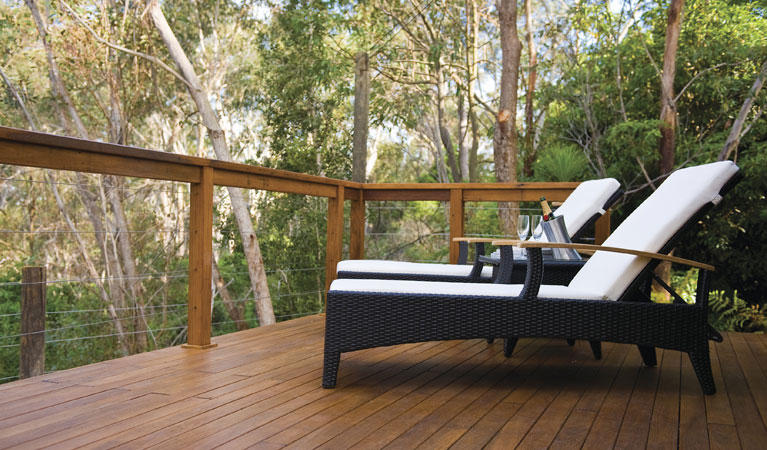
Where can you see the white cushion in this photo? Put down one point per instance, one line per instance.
(400, 267)
(585, 201)
(464, 289)
(651, 226)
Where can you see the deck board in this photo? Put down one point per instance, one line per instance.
(261, 389)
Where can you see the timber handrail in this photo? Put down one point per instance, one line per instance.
(596, 248)
(42, 150)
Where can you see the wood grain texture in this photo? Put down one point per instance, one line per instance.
(602, 228)
(273, 184)
(32, 345)
(200, 260)
(335, 235)
(34, 155)
(356, 226)
(260, 388)
(456, 222)
(142, 159)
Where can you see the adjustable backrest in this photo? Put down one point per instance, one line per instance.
(586, 201)
(651, 226)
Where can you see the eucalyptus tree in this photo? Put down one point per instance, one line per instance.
(239, 202)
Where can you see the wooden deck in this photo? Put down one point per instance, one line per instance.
(261, 388)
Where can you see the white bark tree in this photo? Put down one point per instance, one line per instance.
(240, 206)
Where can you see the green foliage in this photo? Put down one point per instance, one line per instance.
(721, 48)
(735, 314)
(304, 92)
(561, 163)
(732, 236)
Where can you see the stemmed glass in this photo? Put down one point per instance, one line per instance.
(536, 226)
(523, 228)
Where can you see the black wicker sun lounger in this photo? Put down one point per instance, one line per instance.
(587, 203)
(606, 301)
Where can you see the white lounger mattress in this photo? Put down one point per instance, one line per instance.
(399, 267)
(443, 288)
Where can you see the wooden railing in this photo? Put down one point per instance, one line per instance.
(26, 148)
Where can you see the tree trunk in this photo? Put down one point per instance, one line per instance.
(736, 131)
(668, 114)
(463, 132)
(530, 149)
(235, 310)
(240, 205)
(361, 113)
(472, 31)
(444, 134)
(505, 147)
(668, 106)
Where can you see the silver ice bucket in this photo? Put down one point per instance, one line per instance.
(556, 231)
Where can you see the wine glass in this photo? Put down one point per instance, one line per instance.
(535, 225)
(523, 228)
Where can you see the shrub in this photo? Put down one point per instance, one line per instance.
(561, 163)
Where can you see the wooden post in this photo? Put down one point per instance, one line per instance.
(361, 113)
(357, 228)
(335, 237)
(602, 228)
(200, 261)
(456, 222)
(33, 287)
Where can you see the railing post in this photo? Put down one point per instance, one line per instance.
(335, 237)
(200, 261)
(456, 222)
(32, 357)
(357, 228)
(602, 228)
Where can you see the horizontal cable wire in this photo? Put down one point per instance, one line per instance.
(243, 272)
(174, 309)
(276, 317)
(9, 378)
(54, 341)
(111, 335)
(403, 207)
(403, 233)
(50, 330)
(61, 183)
(174, 274)
(68, 311)
(179, 274)
(161, 230)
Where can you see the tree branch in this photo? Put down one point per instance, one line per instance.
(117, 47)
(698, 75)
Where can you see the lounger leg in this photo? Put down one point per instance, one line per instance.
(702, 365)
(508, 346)
(596, 349)
(490, 340)
(571, 342)
(330, 369)
(648, 356)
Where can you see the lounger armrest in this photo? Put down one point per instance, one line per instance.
(591, 247)
(473, 239)
(463, 254)
(463, 250)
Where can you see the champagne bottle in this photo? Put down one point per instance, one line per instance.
(547, 214)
